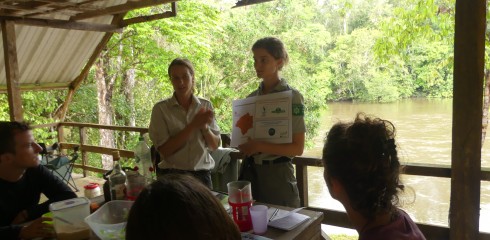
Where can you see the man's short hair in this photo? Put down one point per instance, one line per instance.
(7, 134)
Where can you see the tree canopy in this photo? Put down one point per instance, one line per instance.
(340, 50)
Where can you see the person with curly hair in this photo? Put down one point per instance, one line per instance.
(362, 171)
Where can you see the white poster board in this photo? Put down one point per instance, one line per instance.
(264, 118)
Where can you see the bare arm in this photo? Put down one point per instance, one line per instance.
(174, 143)
(295, 148)
(212, 140)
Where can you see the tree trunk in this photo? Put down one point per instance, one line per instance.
(486, 105)
(129, 82)
(346, 22)
(104, 100)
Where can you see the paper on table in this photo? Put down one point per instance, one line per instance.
(286, 220)
(249, 236)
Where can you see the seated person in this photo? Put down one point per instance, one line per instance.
(362, 172)
(22, 180)
(179, 206)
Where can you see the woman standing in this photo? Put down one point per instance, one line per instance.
(268, 165)
(183, 128)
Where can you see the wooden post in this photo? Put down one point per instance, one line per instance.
(469, 49)
(61, 137)
(12, 70)
(302, 178)
(83, 141)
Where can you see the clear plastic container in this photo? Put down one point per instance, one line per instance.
(109, 221)
(68, 218)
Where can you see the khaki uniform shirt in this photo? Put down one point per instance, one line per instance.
(298, 124)
(168, 118)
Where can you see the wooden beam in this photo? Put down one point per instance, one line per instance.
(122, 8)
(64, 24)
(100, 126)
(88, 168)
(46, 125)
(97, 149)
(12, 70)
(38, 87)
(302, 183)
(141, 19)
(432, 232)
(243, 3)
(469, 49)
(62, 5)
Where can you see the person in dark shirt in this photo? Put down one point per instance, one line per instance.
(362, 171)
(22, 180)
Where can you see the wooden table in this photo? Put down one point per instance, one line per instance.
(311, 229)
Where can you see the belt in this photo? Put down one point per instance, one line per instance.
(174, 170)
(276, 161)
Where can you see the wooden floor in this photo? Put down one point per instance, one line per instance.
(81, 181)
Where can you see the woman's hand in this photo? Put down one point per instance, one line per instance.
(249, 148)
(203, 118)
(37, 229)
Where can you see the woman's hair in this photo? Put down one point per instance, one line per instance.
(182, 62)
(8, 130)
(179, 207)
(362, 156)
(274, 47)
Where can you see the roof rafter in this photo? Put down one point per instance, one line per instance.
(64, 24)
(122, 8)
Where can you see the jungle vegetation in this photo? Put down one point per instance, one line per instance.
(340, 50)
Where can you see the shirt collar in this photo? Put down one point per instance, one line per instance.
(281, 86)
(174, 102)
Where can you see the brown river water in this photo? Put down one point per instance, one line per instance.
(423, 136)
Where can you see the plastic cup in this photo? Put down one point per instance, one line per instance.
(240, 200)
(136, 183)
(259, 218)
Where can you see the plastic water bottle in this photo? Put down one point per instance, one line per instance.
(117, 179)
(142, 155)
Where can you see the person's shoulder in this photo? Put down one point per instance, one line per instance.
(204, 100)
(402, 227)
(253, 94)
(295, 91)
(163, 103)
(37, 172)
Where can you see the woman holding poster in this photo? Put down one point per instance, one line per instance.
(268, 165)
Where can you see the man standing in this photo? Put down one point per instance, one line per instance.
(22, 180)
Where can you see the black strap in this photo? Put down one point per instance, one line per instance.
(282, 159)
(249, 166)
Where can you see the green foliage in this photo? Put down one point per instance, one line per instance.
(360, 50)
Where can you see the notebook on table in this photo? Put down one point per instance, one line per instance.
(285, 220)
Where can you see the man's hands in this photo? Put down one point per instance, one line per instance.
(20, 218)
(37, 229)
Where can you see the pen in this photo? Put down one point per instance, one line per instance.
(274, 214)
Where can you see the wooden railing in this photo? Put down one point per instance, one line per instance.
(331, 217)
